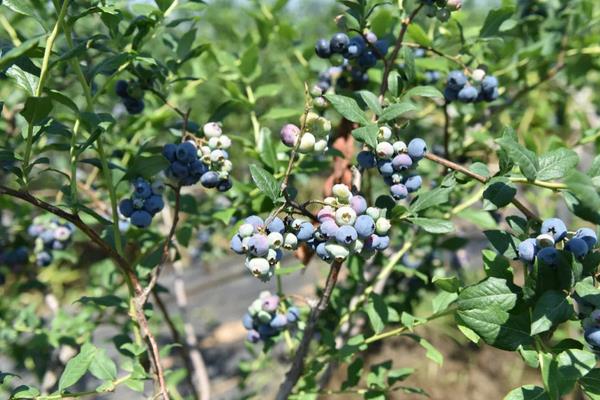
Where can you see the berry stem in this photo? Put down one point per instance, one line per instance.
(297, 367)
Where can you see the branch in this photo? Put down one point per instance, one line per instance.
(297, 367)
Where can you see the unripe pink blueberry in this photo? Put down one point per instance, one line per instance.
(358, 204)
(270, 303)
(212, 129)
(289, 134)
(326, 213)
(385, 150)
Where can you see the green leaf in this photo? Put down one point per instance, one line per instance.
(409, 67)
(433, 225)
(431, 352)
(163, 4)
(496, 265)
(280, 113)
(8, 58)
(449, 284)
(487, 293)
(36, 109)
(442, 301)
(591, 382)
(249, 61)
(348, 108)
(24, 79)
(418, 35)
(377, 312)
(550, 309)
(572, 365)
(367, 134)
(146, 166)
(265, 181)
(494, 20)
(524, 158)
(424, 91)
(393, 85)
(77, 367)
(371, 101)
(24, 392)
(102, 367)
(583, 188)
(527, 392)
(498, 193)
(429, 199)
(396, 110)
(354, 373)
(556, 164)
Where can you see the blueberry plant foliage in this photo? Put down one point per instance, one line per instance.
(374, 141)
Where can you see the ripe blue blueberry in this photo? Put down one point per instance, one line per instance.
(305, 232)
(549, 255)
(588, 235)
(527, 250)
(339, 42)
(133, 106)
(578, 247)
(386, 168)
(43, 259)
(236, 244)
(186, 152)
(224, 185)
(279, 321)
(154, 204)
(399, 191)
(413, 183)
(592, 336)
(169, 151)
(126, 207)
(382, 47)
(346, 234)
(179, 170)
(450, 94)
(468, 94)
(489, 83)
(366, 159)
(382, 243)
(328, 228)
(121, 88)
(456, 80)
(417, 149)
(142, 188)
(293, 314)
(367, 59)
(355, 47)
(255, 221)
(402, 161)
(210, 179)
(141, 218)
(322, 48)
(258, 245)
(322, 252)
(253, 336)
(248, 321)
(276, 225)
(555, 227)
(365, 226)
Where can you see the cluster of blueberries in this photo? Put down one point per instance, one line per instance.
(49, 236)
(591, 330)
(351, 57)
(145, 202)
(348, 226)
(441, 9)
(14, 257)
(314, 139)
(262, 241)
(482, 88)
(267, 317)
(131, 95)
(207, 163)
(553, 232)
(395, 161)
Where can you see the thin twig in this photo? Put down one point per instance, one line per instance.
(297, 367)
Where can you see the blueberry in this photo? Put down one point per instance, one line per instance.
(358, 204)
(293, 314)
(346, 234)
(142, 188)
(322, 48)
(592, 336)
(328, 228)
(468, 94)
(417, 149)
(154, 204)
(306, 231)
(126, 207)
(450, 94)
(258, 245)
(413, 183)
(382, 47)
(266, 331)
(236, 244)
(456, 80)
(355, 47)
(554, 227)
(549, 255)
(399, 191)
(365, 226)
(490, 95)
(255, 221)
(197, 168)
(366, 159)
(489, 83)
(141, 218)
(169, 151)
(386, 168)
(186, 152)
(133, 106)
(121, 88)
(270, 303)
(578, 247)
(527, 250)
(276, 225)
(279, 321)
(382, 243)
(43, 259)
(248, 321)
(588, 235)
(322, 252)
(367, 59)
(179, 170)
(210, 179)
(402, 161)
(253, 336)
(339, 42)
(224, 185)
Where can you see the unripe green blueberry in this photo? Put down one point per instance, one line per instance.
(212, 129)
(275, 239)
(272, 256)
(345, 216)
(544, 240)
(330, 201)
(264, 316)
(310, 118)
(385, 133)
(357, 246)
(258, 266)
(316, 91)
(342, 192)
(255, 307)
(226, 166)
(338, 252)
(217, 156)
(336, 59)
(158, 187)
(400, 147)
(307, 143)
(374, 212)
(320, 102)
(385, 150)
(321, 146)
(204, 151)
(290, 241)
(454, 5)
(382, 226)
(246, 230)
(443, 14)
(245, 244)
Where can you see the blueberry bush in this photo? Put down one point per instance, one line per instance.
(375, 142)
